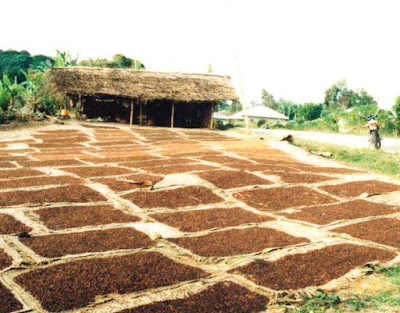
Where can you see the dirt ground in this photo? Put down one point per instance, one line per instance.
(351, 141)
(108, 218)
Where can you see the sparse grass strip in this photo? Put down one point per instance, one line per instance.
(377, 161)
(323, 303)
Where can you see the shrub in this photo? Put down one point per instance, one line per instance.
(261, 123)
(277, 126)
(219, 125)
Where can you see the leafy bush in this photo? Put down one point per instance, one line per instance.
(277, 126)
(261, 123)
(321, 124)
(309, 112)
(118, 61)
(219, 125)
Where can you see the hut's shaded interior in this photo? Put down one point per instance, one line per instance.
(110, 109)
(195, 114)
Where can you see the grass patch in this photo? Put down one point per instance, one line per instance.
(325, 303)
(372, 160)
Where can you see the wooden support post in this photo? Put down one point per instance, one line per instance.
(141, 113)
(132, 108)
(79, 108)
(83, 112)
(211, 116)
(172, 114)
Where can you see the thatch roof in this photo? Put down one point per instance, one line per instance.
(143, 85)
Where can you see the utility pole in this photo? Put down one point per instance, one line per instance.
(235, 33)
(242, 94)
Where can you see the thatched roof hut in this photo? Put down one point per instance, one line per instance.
(143, 97)
(142, 85)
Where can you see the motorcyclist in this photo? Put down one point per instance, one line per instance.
(372, 124)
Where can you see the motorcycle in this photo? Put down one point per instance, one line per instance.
(375, 139)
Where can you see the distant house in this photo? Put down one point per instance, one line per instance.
(222, 115)
(143, 97)
(257, 113)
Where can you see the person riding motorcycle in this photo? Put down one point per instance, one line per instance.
(372, 124)
(373, 127)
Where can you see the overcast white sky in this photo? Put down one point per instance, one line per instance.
(293, 48)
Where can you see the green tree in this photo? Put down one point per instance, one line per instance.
(221, 106)
(268, 100)
(330, 117)
(387, 122)
(236, 106)
(287, 107)
(396, 109)
(339, 94)
(118, 61)
(309, 112)
(365, 99)
(334, 93)
(41, 62)
(14, 63)
(11, 63)
(99, 62)
(122, 61)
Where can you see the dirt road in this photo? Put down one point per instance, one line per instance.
(352, 141)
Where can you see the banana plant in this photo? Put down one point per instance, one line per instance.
(137, 64)
(4, 96)
(15, 91)
(64, 59)
(42, 66)
(33, 79)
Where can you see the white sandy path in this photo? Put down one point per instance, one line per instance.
(353, 141)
